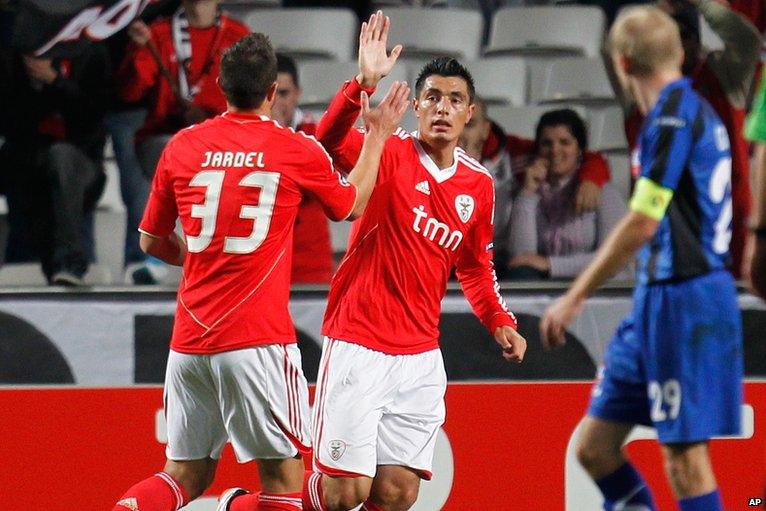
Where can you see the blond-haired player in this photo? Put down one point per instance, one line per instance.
(675, 363)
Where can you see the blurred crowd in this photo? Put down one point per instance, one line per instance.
(555, 202)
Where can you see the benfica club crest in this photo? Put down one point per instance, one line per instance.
(337, 448)
(464, 205)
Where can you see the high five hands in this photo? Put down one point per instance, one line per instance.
(374, 60)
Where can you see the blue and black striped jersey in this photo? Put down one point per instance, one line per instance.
(685, 158)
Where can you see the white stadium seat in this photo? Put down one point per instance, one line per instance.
(239, 9)
(501, 80)
(308, 33)
(436, 32)
(562, 30)
(619, 165)
(607, 131)
(580, 80)
(522, 121)
(321, 80)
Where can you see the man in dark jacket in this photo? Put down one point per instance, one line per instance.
(52, 121)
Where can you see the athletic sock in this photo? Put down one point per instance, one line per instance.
(369, 506)
(157, 493)
(625, 486)
(275, 502)
(312, 497)
(708, 502)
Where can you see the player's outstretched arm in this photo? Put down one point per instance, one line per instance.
(379, 124)
(171, 249)
(633, 231)
(374, 60)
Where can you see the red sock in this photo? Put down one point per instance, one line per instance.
(157, 493)
(278, 502)
(369, 506)
(312, 497)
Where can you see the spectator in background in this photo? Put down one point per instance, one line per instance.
(547, 237)
(507, 157)
(123, 120)
(52, 121)
(755, 131)
(182, 86)
(312, 249)
(754, 10)
(724, 78)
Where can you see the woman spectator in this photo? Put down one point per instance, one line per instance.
(547, 238)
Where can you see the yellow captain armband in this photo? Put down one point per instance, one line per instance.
(650, 199)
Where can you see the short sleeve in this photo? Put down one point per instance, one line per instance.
(755, 127)
(666, 144)
(161, 211)
(320, 178)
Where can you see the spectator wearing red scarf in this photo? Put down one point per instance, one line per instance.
(189, 46)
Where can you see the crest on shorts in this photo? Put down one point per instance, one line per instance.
(130, 503)
(337, 448)
(464, 206)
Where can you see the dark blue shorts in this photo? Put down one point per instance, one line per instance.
(675, 362)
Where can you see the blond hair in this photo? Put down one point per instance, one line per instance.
(648, 38)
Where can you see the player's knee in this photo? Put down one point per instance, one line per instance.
(346, 495)
(594, 458)
(685, 469)
(689, 469)
(393, 495)
(195, 478)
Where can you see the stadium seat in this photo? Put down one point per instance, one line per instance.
(308, 33)
(578, 80)
(436, 32)
(501, 80)
(241, 8)
(321, 80)
(522, 121)
(607, 130)
(619, 165)
(562, 31)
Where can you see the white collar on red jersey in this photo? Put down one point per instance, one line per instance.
(441, 175)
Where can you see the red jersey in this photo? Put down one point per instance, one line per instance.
(312, 247)
(420, 222)
(139, 74)
(236, 182)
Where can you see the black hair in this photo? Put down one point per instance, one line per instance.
(445, 66)
(248, 69)
(564, 117)
(286, 64)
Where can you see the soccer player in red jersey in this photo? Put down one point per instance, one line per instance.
(380, 394)
(234, 369)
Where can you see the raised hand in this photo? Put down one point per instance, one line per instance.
(374, 60)
(139, 33)
(385, 118)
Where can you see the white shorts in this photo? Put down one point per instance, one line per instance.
(376, 409)
(256, 397)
